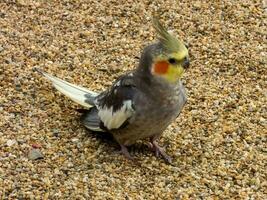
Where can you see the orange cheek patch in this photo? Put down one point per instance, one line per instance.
(161, 67)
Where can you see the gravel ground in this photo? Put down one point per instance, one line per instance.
(218, 143)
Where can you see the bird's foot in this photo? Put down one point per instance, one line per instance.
(125, 152)
(160, 151)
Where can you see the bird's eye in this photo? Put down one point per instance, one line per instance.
(172, 61)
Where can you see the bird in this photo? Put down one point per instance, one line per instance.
(141, 103)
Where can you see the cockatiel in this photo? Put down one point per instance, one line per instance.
(142, 103)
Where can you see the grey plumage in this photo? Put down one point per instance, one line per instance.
(91, 120)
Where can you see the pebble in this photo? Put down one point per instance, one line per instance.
(35, 154)
(9, 143)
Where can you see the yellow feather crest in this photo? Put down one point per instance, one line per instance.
(169, 42)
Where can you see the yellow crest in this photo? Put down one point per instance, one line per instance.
(169, 42)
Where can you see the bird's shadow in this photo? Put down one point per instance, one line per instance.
(139, 147)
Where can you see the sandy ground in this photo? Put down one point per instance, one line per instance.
(218, 143)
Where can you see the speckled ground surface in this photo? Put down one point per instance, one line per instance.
(218, 144)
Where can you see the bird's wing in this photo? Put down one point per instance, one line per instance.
(76, 93)
(91, 120)
(116, 105)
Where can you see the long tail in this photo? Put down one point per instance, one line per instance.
(78, 94)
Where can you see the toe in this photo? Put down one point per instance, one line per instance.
(125, 152)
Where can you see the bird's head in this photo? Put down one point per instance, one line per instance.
(168, 58)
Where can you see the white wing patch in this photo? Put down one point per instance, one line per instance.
(113, 120)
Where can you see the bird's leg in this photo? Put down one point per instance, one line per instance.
(159, 150)
(125, 152)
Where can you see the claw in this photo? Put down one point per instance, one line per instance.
(160, 151)
(125, 152)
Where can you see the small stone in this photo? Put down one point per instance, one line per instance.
(47, 181)
(35, 154)
(36, 146)
(21, 141)
(55, 132)
(75, 140)
(56, 171)
(9, 143)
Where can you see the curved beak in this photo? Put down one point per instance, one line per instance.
(186, 64)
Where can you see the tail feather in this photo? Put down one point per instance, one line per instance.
(90, 120)
(78, 94)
